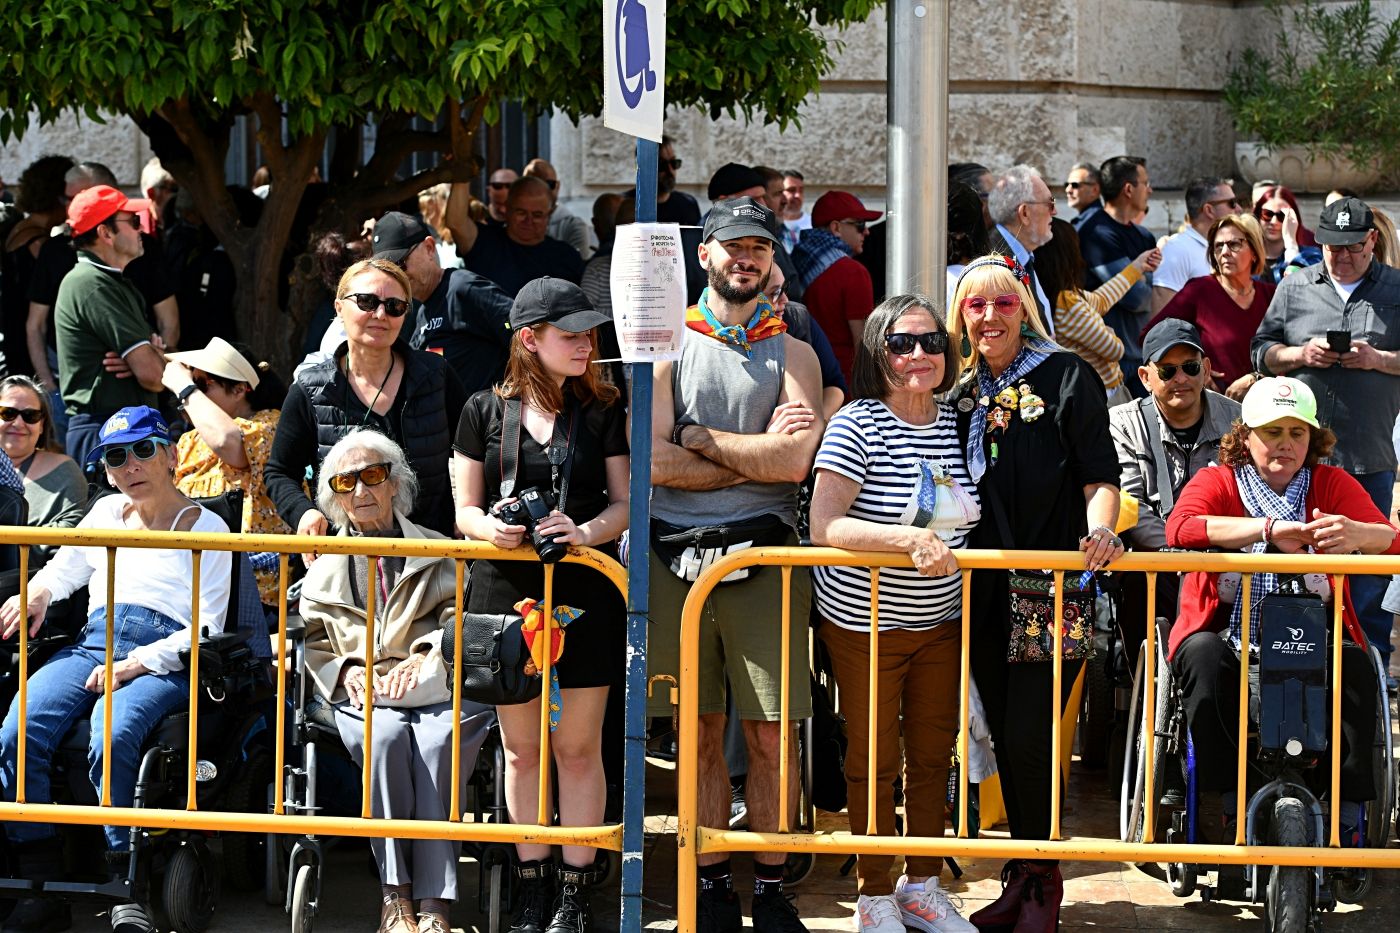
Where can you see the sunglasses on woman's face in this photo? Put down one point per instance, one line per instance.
(930, 342)
(372, 475)
(1167, 372)
(1269, 216)
(1004, 304)
(394, 307)
(116, 455)
(30, 415)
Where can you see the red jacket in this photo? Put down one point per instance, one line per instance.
(1213, 491)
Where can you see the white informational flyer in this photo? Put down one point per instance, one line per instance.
(648, 292)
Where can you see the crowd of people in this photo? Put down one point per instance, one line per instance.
(454, 375)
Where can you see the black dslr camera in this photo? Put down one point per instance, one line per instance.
(528, 509)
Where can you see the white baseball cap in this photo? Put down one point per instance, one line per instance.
(1277, 397)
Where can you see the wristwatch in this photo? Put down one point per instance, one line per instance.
(183, 395)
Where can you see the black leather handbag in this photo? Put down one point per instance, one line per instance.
(494, 659)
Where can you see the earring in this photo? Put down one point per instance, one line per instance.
(1026, 330)
(965, 345)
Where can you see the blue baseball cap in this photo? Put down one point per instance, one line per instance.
(128, 425)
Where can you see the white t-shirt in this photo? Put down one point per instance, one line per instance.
(1344, 291)
(1183, 259)
(890, 458)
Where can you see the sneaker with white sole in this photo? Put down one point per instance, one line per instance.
(928, 907)
(878, 914)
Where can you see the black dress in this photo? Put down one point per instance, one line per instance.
(595, 643)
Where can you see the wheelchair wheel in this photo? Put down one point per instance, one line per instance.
(190, 890)
(245, 854)
(798, 867)
(1288, 903)
(1182, 878)
(495, 898)
(1096, 719)
(1132, 802)
(304, 899)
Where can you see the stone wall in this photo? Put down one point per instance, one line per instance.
(117, 144)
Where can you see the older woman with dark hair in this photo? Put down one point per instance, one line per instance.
(367, 487)
(1271, 492)
(54, 485)
(891, 476)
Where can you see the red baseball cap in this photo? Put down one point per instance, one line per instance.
(93, 205)
(840, 205)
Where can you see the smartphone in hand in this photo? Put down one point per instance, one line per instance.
(1339, 341)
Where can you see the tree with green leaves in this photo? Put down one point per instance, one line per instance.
(312, 74)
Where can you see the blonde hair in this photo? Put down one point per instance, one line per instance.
(432, 204)
(391, 269)
(990, 275)
(1387, 243)
(1253, 235)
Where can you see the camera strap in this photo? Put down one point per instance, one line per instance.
(560, 453)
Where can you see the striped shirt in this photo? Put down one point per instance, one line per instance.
(1079, 325)
(890, 460)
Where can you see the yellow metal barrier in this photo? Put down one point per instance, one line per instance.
(604, 837)
(694, 840)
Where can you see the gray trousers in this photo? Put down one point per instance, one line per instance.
(411, 779)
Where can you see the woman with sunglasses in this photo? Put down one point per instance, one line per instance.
(54, 486)
(367, 487)
(375, 381)
(152, 606)
(1227, 305)
(888, 463)
(553, 387)
(1288, 245)
(1034, 423)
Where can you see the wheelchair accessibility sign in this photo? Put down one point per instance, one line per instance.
(634, 66)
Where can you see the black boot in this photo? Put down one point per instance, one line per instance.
(40, 860)
(571, 906)
(536, 893)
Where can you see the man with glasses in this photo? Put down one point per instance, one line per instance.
(97, 311)
(672, 206)
(564, 225)
(1335, 326)
(794, 218)
(836, 288)
(1082, 190)
(497, 192)
(522, 250)
(1184, 256)
(1021, 206)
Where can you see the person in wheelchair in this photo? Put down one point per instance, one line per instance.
(1271, 492)
(366, 487)
(151, 625)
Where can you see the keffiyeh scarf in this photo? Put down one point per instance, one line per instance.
(817, 251)
(1260, 501)
(765, 323)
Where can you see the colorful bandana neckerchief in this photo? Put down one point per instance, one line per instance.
(818, 250)
(533, 615)
(1033, 352)
(765, 323)
(1260, 501)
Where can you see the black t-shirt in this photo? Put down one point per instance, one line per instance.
(679, 208)
(1188, 436)
(56, 257)
(603, 435)
(467, 320)
(510, 265)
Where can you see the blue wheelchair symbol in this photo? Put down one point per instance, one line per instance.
(634, 71)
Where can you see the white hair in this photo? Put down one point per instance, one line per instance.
(1014, 188)
(154, 175)
(401, 475)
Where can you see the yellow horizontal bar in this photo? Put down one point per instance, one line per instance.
(601, 837)
(1087, 850)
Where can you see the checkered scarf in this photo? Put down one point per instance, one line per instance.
(817, 251)
(1260, 501)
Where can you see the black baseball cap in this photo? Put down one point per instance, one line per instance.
(731, 177)
(739, 217)
(554, 301)
(1168, 333)
(1345, 221)
(396, 234)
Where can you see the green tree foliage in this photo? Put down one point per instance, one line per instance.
(313, 70)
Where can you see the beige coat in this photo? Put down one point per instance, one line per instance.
(422, 600)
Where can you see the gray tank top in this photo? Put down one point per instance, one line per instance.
(714, 385)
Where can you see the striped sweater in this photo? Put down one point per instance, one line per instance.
(1079, 325)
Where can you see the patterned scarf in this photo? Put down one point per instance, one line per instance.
(765, 323)
(1262, 502)
(1034, 351)
(817, 251)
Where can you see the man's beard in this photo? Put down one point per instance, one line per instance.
(665, 182)
(719, 284)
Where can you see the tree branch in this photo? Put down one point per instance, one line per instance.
(269, 134)
(205, 173)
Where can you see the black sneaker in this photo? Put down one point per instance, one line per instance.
(719, 911)
(738, 807)
(775, 913)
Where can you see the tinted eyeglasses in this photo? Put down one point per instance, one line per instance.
(394, 307)
(930, 342)
(1167, 372)
(1269, 216)
(1348, 248)
(499, 185)
(857, 225)
(1076, 185)
(116, 455)
(1004, 304)
(1233, 202)
(673, 163)
(372, 475)
(1229, 246)
(30, 415)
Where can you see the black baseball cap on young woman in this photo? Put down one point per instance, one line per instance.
(557, 302)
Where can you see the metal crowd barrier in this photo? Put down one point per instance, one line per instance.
(278, 821)
(694, 840)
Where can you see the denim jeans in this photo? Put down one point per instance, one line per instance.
(58, 699)
(1368, 591)
(83, 432)
(60, 413)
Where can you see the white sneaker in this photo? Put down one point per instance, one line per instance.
(930, 909)
(878, 914)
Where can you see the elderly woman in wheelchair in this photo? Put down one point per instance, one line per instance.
(150, 627)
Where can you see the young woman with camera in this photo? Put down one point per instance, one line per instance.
(551, 431)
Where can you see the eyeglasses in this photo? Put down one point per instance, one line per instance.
(673, 164)
(134, 221)
(1167, 372)
(499, 185)
(777, 292)
(1233, 202)
(1076, 185)
(394, 307)
(857, 225)
(372, 475)
(1048, 202)
(116, 455)
(1270, 216)
(1229, 246)
(1004, 304)
(30, 415)
(1352, 248)
(930, 342)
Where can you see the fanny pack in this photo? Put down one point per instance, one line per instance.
(689, 551)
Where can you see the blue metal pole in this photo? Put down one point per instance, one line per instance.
(638, 584)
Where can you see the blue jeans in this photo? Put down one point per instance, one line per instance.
(60, 413)
(83, 432)
(58, 699)
(1367, 591)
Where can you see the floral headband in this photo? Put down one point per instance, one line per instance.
(999, 261)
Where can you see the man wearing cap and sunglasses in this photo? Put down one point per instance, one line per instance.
(1335, 326)
(836, 288)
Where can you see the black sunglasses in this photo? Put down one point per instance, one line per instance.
(499, 185)
(394, 307)
(1269, 216)
(1167, 372)
(116, 456)
(858, 225)
(30, 415)
(372, 475)
(931, 342)
(1076, 185)
(673, 163)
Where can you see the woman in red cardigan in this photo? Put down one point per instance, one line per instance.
(1270, 491)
